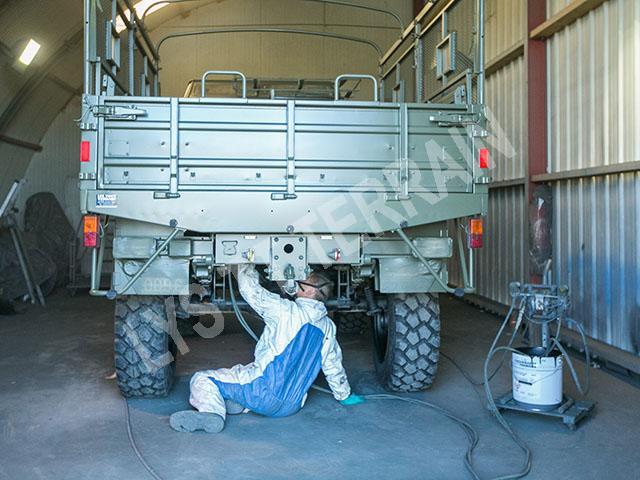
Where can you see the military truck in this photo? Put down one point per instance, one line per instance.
(292, 176)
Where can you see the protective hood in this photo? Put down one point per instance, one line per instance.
(314, 309)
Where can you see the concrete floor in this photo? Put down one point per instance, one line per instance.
(61, 418)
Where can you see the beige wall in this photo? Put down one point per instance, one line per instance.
(276, 55)
(55, 168)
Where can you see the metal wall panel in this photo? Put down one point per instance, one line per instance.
(506, 97)
(554, 6)
(502, 259)
(594, 94)
(504, 25)
(597, 253)
(505, 89)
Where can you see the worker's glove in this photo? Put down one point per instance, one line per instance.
(352, 399)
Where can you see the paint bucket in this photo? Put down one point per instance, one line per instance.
(537, 379)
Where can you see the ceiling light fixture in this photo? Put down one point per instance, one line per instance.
(29, 52)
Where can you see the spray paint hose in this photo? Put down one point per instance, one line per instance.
(583, 389)
(472, 435)
(509, 348)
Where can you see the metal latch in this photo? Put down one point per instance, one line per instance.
(452, 119)
(114, 112)
(283, 196)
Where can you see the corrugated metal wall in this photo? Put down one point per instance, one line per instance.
(594, 94)
(506, 109)
(502, 259)
(594, 120)
(504, 25)
(505, 89)
(597, 253)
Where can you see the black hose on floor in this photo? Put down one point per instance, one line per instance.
(132, 442)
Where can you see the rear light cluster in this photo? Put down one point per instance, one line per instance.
(483, 158)
(90, 231)
(476, 230)
(85, 151)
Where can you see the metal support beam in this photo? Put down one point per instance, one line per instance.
(504, 58)
(536, 63)
(20, 143)
(514, 182)
(625, 167)
(572, 12)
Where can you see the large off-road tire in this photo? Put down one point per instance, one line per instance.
(144, 351)
(352, 322)
(407, 341)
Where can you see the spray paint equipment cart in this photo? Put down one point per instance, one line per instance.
(537, 369)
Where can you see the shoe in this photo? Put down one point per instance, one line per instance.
(233, 408)
(192, 420)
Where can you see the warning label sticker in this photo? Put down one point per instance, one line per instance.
(107, 200)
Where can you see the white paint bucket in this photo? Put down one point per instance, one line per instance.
(537, 379)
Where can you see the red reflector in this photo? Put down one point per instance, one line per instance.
(476, 229)
(90, 226)
(483, 158)
(85, 151)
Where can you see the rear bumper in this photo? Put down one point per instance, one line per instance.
(250, 211)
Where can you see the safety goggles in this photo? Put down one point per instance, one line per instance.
(301, 283)
(318, 287)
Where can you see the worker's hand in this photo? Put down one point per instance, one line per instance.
(352, 399)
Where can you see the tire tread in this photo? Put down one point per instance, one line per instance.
(140, 344)
(411, 362)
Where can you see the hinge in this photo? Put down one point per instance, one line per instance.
(484, 180)
(113, 112)
(479, 132)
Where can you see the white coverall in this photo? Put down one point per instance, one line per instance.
(298, 340)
